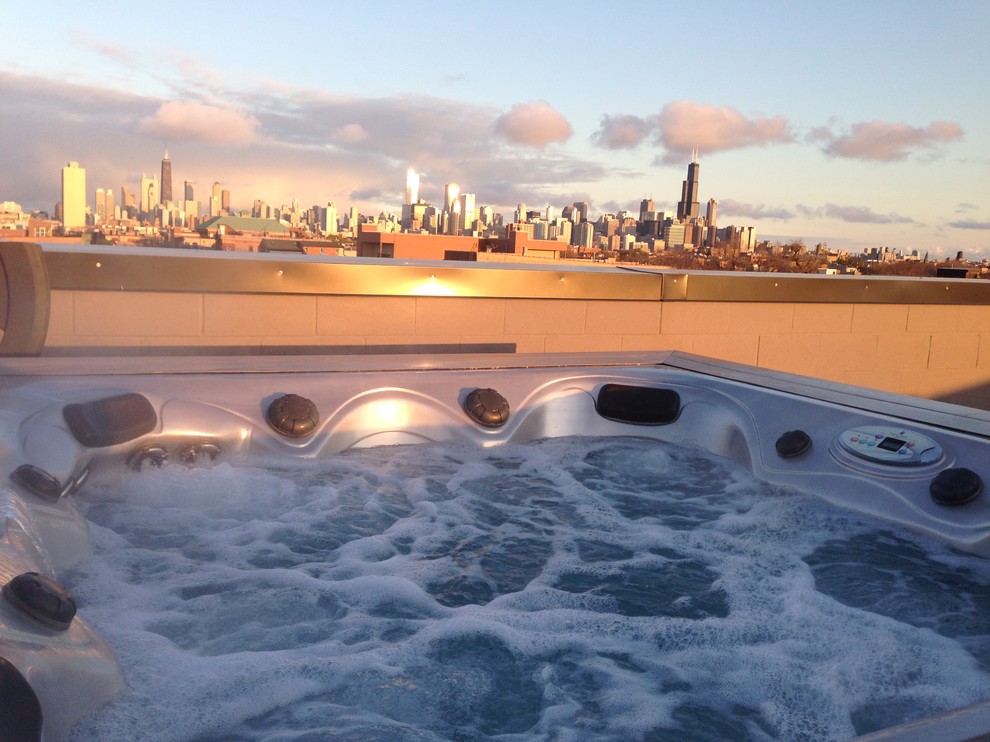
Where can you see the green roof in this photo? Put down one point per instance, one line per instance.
(246, 224)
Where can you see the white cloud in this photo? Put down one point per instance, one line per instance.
(621, 132)
(198, 122)
(684, 125)
(863, 215)
(731, 207)
(349, 134)
(880, 140)
(534, 124)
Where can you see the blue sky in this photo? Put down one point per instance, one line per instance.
(856, 123)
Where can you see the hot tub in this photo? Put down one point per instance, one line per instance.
(70, 425)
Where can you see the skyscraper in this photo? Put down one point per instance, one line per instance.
(646, 206)
(149, 193)
(188, 190)
(585, 234)
(454, 218)
(330, 219)
(711, 216)
(127, 202)
(688, 207)
(73, 196)
(451, 192)
(412, 196)
(215, 194)
(467, 213)
(100, 216)
(103, 211)
(412, 186)
(166, 194)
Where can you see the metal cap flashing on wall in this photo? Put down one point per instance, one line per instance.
(208, 271)
(87, 268)
(816, 288)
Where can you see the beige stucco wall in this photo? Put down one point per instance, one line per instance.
(929, 350)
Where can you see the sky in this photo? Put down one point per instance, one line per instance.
(858, 124)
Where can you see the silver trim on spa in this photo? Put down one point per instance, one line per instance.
(931, 412)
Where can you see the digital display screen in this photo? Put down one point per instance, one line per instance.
(890, 444)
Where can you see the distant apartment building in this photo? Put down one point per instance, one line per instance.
(607, 225)
(673, 234)
(580, 211)
(104, 210)
(16, 225)
(375, 241)
(585, 235)
(646, 207)
(127, 203)
(12, 217)
(73, 196)
(742, 239)
(330, 225)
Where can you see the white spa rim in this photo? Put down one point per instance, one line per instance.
(916, 463)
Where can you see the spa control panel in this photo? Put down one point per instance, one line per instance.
(890, 445)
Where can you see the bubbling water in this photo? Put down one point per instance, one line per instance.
(568, 589)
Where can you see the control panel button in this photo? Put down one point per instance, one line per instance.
(890, 445)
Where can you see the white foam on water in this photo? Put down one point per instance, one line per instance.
(569, 589)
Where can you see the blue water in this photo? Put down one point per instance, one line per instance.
(571, 589)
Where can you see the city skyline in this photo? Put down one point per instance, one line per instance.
(866, 132)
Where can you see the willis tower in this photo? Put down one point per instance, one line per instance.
(688, 208)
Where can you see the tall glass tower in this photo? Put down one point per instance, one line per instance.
(688, 207)
(166, 194)
(412, 186)
(451, 205)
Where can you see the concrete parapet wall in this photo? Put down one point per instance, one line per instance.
(934, 351)
(928, 339)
